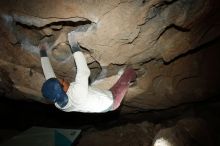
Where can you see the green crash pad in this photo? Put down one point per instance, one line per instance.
(39, 136)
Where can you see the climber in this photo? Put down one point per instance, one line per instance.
(79, 96)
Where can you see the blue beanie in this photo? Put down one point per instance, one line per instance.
(53, 91)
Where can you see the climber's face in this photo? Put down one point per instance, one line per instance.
(64, 84)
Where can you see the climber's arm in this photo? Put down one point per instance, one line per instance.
(45, 63)
(83, 72)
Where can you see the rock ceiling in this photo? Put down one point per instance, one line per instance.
(172, 44)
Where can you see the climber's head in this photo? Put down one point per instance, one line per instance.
(55, 91)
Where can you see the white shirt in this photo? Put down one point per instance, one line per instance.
(81, 96)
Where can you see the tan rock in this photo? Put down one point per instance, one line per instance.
(163, 40)
(47, 31)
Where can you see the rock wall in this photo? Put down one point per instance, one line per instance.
(172, 44)
(190, 132)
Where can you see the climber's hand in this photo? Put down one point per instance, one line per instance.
(43, 49)
(74, 46)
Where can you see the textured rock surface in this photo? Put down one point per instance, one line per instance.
(185, 132)
(173, 45)
(131, 134)
(189, 78)
(191, 132)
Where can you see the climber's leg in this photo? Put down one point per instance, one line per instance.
(121, 86)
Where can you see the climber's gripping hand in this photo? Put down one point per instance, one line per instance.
(74, 46)
(43, 49)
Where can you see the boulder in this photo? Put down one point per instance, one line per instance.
(172, 44)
